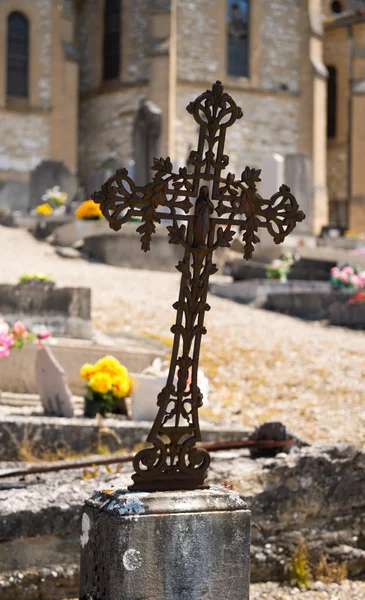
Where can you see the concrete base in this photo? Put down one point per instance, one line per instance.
(190, 545)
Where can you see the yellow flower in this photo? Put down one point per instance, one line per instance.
(112, 366)
(44, 209)
(121, 386)
(100, 383)
(87, 370)
(88, 210)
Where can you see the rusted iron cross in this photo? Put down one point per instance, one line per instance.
(221, 204)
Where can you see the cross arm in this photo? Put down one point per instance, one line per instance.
(121, 199)
(240, 201)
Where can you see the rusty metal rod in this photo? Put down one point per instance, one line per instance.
(112, 459)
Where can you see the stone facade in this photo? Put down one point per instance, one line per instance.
(171, 50)
(346, 176)
(43, 125)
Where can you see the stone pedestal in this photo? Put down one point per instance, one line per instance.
(181, 545)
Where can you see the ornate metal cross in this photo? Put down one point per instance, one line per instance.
(221, 204)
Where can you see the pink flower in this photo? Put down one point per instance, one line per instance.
(349, 270)
(344, 277)
(4, 327)
(43, 335)
(20, 330)
(6, 341)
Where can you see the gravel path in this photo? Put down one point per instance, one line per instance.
(262, 366)
(347, 590)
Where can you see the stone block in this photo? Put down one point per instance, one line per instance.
(56, 396)
(242, 270)
(70, 233)
(124, 250)
(308, 305)
(48, 174)
(81, 434)
(64, 311)
(167, 545)
(348, 315)
(311, 269)
(299, 177)
(259, 290)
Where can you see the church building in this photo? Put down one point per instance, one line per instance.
(100, 83)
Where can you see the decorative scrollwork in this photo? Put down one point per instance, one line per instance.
(221, 205)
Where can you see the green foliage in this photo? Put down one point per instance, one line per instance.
(300, 573)
(28, 277)
(19, 340)
(96, 403)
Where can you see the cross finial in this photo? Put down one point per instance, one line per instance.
(174, 461)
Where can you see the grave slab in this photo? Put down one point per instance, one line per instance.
(17, 373)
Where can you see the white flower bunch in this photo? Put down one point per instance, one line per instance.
(55, 197)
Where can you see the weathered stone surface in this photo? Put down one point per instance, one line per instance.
(312, 269)
(148, 545)
(43, 298)
(56, 396)
(14, 194)
(125, 250)
(64, 311)
(70, 233)
(259, 290)
(315, 492)
(78, 434)
(299, 177)
(348, 315)
(315, 305)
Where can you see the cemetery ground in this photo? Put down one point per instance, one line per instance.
(262, 367)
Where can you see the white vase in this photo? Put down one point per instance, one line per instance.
(144, 398)
(146, 389)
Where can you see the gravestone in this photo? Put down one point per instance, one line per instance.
(48, 174)
(146, 139)
(106, 170)
(273, 166)
(56, 396)
(298, 175)
(14, 195)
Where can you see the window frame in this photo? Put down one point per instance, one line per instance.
(18, 91)
(246, 74)
(332, 102)
(107, 41)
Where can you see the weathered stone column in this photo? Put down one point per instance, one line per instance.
(181, 545)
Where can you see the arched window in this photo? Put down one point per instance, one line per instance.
(238, 38)
(336, 6)
(112, 16)
(332, 102)
(17, 55)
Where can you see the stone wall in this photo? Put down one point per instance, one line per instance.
(269, 124)
(280, 44)
(24, 141)
(43, 125)
(271, 113)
